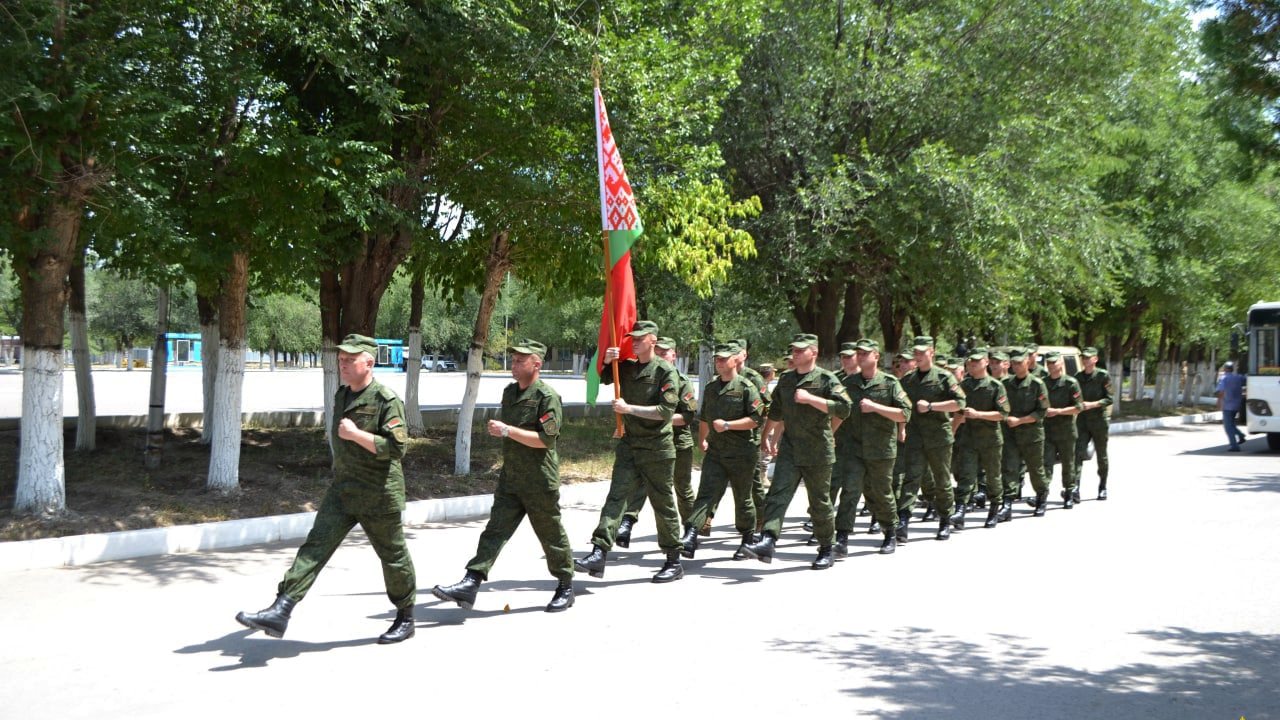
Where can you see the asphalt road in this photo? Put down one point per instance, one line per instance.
(1159, 603)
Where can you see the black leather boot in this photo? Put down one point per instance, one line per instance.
(890, 543)
(957, 520)
(462, 592)
(623, 539)
(762, 549)
(930, 513)
(1041, 501)
(593, 563)
(944, 528)
(273, 620)
(563, 599)
(980, 499)
(671, 570)
(401, 629)
(993, 516)
(875, 527)
(841, 548)
(1102, 490)
(824, 559)
(1006, 510)
(1069, 499)
(747, 539)
(904, 519)
(689, 542)
(1075, 494)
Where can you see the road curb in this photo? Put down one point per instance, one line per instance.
(77, 550)
(74, 550)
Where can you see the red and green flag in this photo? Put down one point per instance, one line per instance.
(622, 227)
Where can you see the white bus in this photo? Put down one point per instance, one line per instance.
(1263, 384)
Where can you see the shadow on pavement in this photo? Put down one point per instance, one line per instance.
(192, 567)
(914, 672)
(1253, 483)
(257, 652)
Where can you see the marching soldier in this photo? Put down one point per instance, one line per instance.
(731, 411)
(1060, 427)
(645, 454)
(805, 400)
(368, 438)
(980, 441)
(529, 425)
(870, 445)
(1094, 422)
(934, 394)
(1028, 403)
(682, 437)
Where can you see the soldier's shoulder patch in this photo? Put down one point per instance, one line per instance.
(394, 423)
(755, 404)
(550, 426)
(688, 396)
(667, 386)
(401, 434)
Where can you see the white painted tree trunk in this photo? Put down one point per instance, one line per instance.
(87, 418)
(329, 374)
(41, 486)
(413, 371)
(224, 456)
(159, 374)
(209, 372)
(467, 413)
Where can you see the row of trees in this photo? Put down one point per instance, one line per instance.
(1050, 169)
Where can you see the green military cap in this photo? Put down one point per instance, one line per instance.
(978, 355)
(999, 355)
(905, 355)
(1089, 352)
(666, 343)
(727, 349)
(644, 327)
(359, 344)
(922, 343)
(867, 345)
(1054, 356)
(848, 348)
(1032, 347)
(528, 346)
(766, 368)
(943, 362)
(804, 340)
(742, 343)
(1017, 355)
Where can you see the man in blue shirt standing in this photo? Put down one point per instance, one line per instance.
(1230, 399)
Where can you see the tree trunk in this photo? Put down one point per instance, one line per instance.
(892, 322)
(207, 308)
(851, 322)
(495, 267)
(413, 355)
(706, 364)
(42, 274)
(159, 373)
(87, 415)
(224, 458)
(1115, 366)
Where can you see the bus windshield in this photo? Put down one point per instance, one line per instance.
(1264, 341)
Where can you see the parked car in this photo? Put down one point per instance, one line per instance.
(436, 363)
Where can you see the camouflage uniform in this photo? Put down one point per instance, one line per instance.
(1060, 431)
(980, 443)
(682, 439)
(806, 451)
(730, 459)
(529, 482)
(929, 437)
(1027, 397)
(1094, 424)
(645, 455)
(866, 456)
(368, 489)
